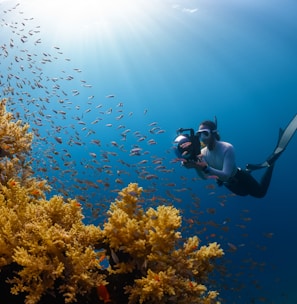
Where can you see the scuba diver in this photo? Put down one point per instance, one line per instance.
(217, 158)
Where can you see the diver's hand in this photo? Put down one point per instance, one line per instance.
(198, 165)
(201, 165)
(188, 164)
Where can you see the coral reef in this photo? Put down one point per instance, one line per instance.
(15, 145)
(47, 252)
(145, 243)
(49, 241)
(45, 238)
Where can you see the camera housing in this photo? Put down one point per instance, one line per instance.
(187, 144)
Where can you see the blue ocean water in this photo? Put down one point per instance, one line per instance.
(97, 80)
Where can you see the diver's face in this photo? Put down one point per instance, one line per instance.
(205, 134)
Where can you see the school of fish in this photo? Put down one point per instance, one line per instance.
(89, 145)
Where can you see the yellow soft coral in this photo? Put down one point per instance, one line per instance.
(15, 144)
(49, 243)
(124, 228)
(165, 286)
(45, 238)
(162, 225)
(14, 136)
(150, 239)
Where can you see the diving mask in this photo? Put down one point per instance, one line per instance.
(204, 134)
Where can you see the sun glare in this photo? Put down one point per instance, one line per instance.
(79, 15)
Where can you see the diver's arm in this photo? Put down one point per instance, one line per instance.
(197, 165)
(228, 166)
(200, 166)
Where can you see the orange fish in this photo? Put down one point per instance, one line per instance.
(103, 293)
(102, 258)
(11, 183)
(35, 192)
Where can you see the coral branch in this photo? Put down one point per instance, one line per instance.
(45, 248)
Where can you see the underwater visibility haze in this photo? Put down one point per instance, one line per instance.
(105, 85)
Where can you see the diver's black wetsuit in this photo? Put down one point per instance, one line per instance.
(243, 183)
(221, 163)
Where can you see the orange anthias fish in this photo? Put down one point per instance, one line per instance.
(103, 294)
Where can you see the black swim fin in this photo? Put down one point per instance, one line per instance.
(284, 138)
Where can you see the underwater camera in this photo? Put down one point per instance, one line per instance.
(187, 145)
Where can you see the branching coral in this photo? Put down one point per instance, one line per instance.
(15, 144)
(56, 253)
(166, 274)
(14, 136)
(45, 238)
(49, 241)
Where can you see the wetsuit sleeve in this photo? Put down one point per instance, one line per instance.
(228, 165)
